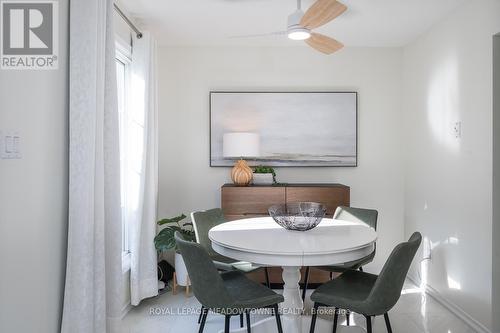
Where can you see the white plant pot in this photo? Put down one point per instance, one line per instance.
(180, 270)
(263, 179)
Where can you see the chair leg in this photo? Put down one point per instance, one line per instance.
(347, 317)
(201, 314)
(278, 319)
(314, 315)
(335, 320)
(306, 281)
(226, 323)
(249, 330)
(387, 322)
(266, 273)
(203, 319)
(241, 319)
(368, 324)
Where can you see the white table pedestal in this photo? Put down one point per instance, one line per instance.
(293, 307)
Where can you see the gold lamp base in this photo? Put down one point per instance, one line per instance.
(241, 174)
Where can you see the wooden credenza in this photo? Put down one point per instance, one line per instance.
(239, 202)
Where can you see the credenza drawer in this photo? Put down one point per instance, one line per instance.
(250, 201)
(332, 197)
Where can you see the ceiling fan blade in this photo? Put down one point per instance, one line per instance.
(322, 12)
(275, 33)
(323, 43)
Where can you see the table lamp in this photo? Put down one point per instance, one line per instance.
(240, 145)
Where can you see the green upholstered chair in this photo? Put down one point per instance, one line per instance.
(368, 294)
(203, 221)
(352, 214)
(228, 293)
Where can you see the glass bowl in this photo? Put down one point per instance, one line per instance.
(300, 216)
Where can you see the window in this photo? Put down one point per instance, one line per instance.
(123, 64)
(131, 111)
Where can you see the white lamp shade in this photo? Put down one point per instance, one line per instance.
(240, 145)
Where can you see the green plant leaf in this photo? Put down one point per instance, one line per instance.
(176, 219)
(263, 169)
(165, 239)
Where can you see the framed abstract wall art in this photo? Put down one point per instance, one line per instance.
(293, 128)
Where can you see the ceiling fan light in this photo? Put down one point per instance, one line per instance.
(299, 34)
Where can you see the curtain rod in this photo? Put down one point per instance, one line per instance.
(130, 24)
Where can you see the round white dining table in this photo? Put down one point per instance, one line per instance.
(263, 242)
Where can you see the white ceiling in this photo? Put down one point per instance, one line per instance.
(383, 23)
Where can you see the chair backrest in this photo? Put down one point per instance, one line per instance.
(368, 216)
(387, 288)
(208, 286)
(204, 221)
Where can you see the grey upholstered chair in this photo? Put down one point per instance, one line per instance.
(352, 214)
(203, 221)
(368, 294)
(227, 293)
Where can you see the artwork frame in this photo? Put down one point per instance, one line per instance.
(353, 157)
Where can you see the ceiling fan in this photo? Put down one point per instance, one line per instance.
(300, 25)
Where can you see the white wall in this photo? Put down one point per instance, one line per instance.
(496, 183)
(186, 75)
(448, 185)
(33, 195)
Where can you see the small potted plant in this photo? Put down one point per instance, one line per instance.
(263, 175)
(165, 241)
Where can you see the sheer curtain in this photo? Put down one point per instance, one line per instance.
(142, 170)
(93, 270)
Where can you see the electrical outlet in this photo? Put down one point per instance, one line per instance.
(457, 129)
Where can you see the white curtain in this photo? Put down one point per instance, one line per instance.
(93, 271)
(142, 170)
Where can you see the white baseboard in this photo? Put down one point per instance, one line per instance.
(452, 307)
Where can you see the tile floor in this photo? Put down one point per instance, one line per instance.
(415, 312)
